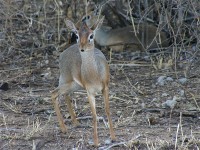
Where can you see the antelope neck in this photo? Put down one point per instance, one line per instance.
(89, 68)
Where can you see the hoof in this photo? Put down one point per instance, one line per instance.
(63, 129)
(92, 143)
(113, 139)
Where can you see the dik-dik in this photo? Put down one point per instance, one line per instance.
(148, 36)
(82, 66)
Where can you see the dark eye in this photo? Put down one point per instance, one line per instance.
(76, 37)
(86, 18)
(91, 36)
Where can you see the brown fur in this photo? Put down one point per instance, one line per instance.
(83, 67)
(148, 36)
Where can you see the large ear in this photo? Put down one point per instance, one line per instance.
(70, 25)
(98, 24)
(88, 19)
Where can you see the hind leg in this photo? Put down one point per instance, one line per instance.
(54, 97)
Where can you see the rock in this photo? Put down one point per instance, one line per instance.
(119, 113)
(169, 79)
(182, 80)
(170, 103)
(181, 92)
(46, 62)
(108, 141)
(164, 94)
(90, 142)
(161, 80)
(47, 74)
(154, 100)
(143, 105)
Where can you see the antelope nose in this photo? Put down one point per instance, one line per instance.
(82, 50)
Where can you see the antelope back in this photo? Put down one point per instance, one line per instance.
(146, 36)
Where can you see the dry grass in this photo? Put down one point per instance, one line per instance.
(32, 34)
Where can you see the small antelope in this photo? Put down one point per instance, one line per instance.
(82, 66)
(148, 36)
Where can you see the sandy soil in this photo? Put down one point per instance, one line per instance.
(137, 100)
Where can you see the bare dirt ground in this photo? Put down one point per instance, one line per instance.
(151, 108)
(28, 120)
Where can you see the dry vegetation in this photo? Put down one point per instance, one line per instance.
(32, 35)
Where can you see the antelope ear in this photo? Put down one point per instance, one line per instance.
(85, 18)
(98, 24)
(70, 25)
